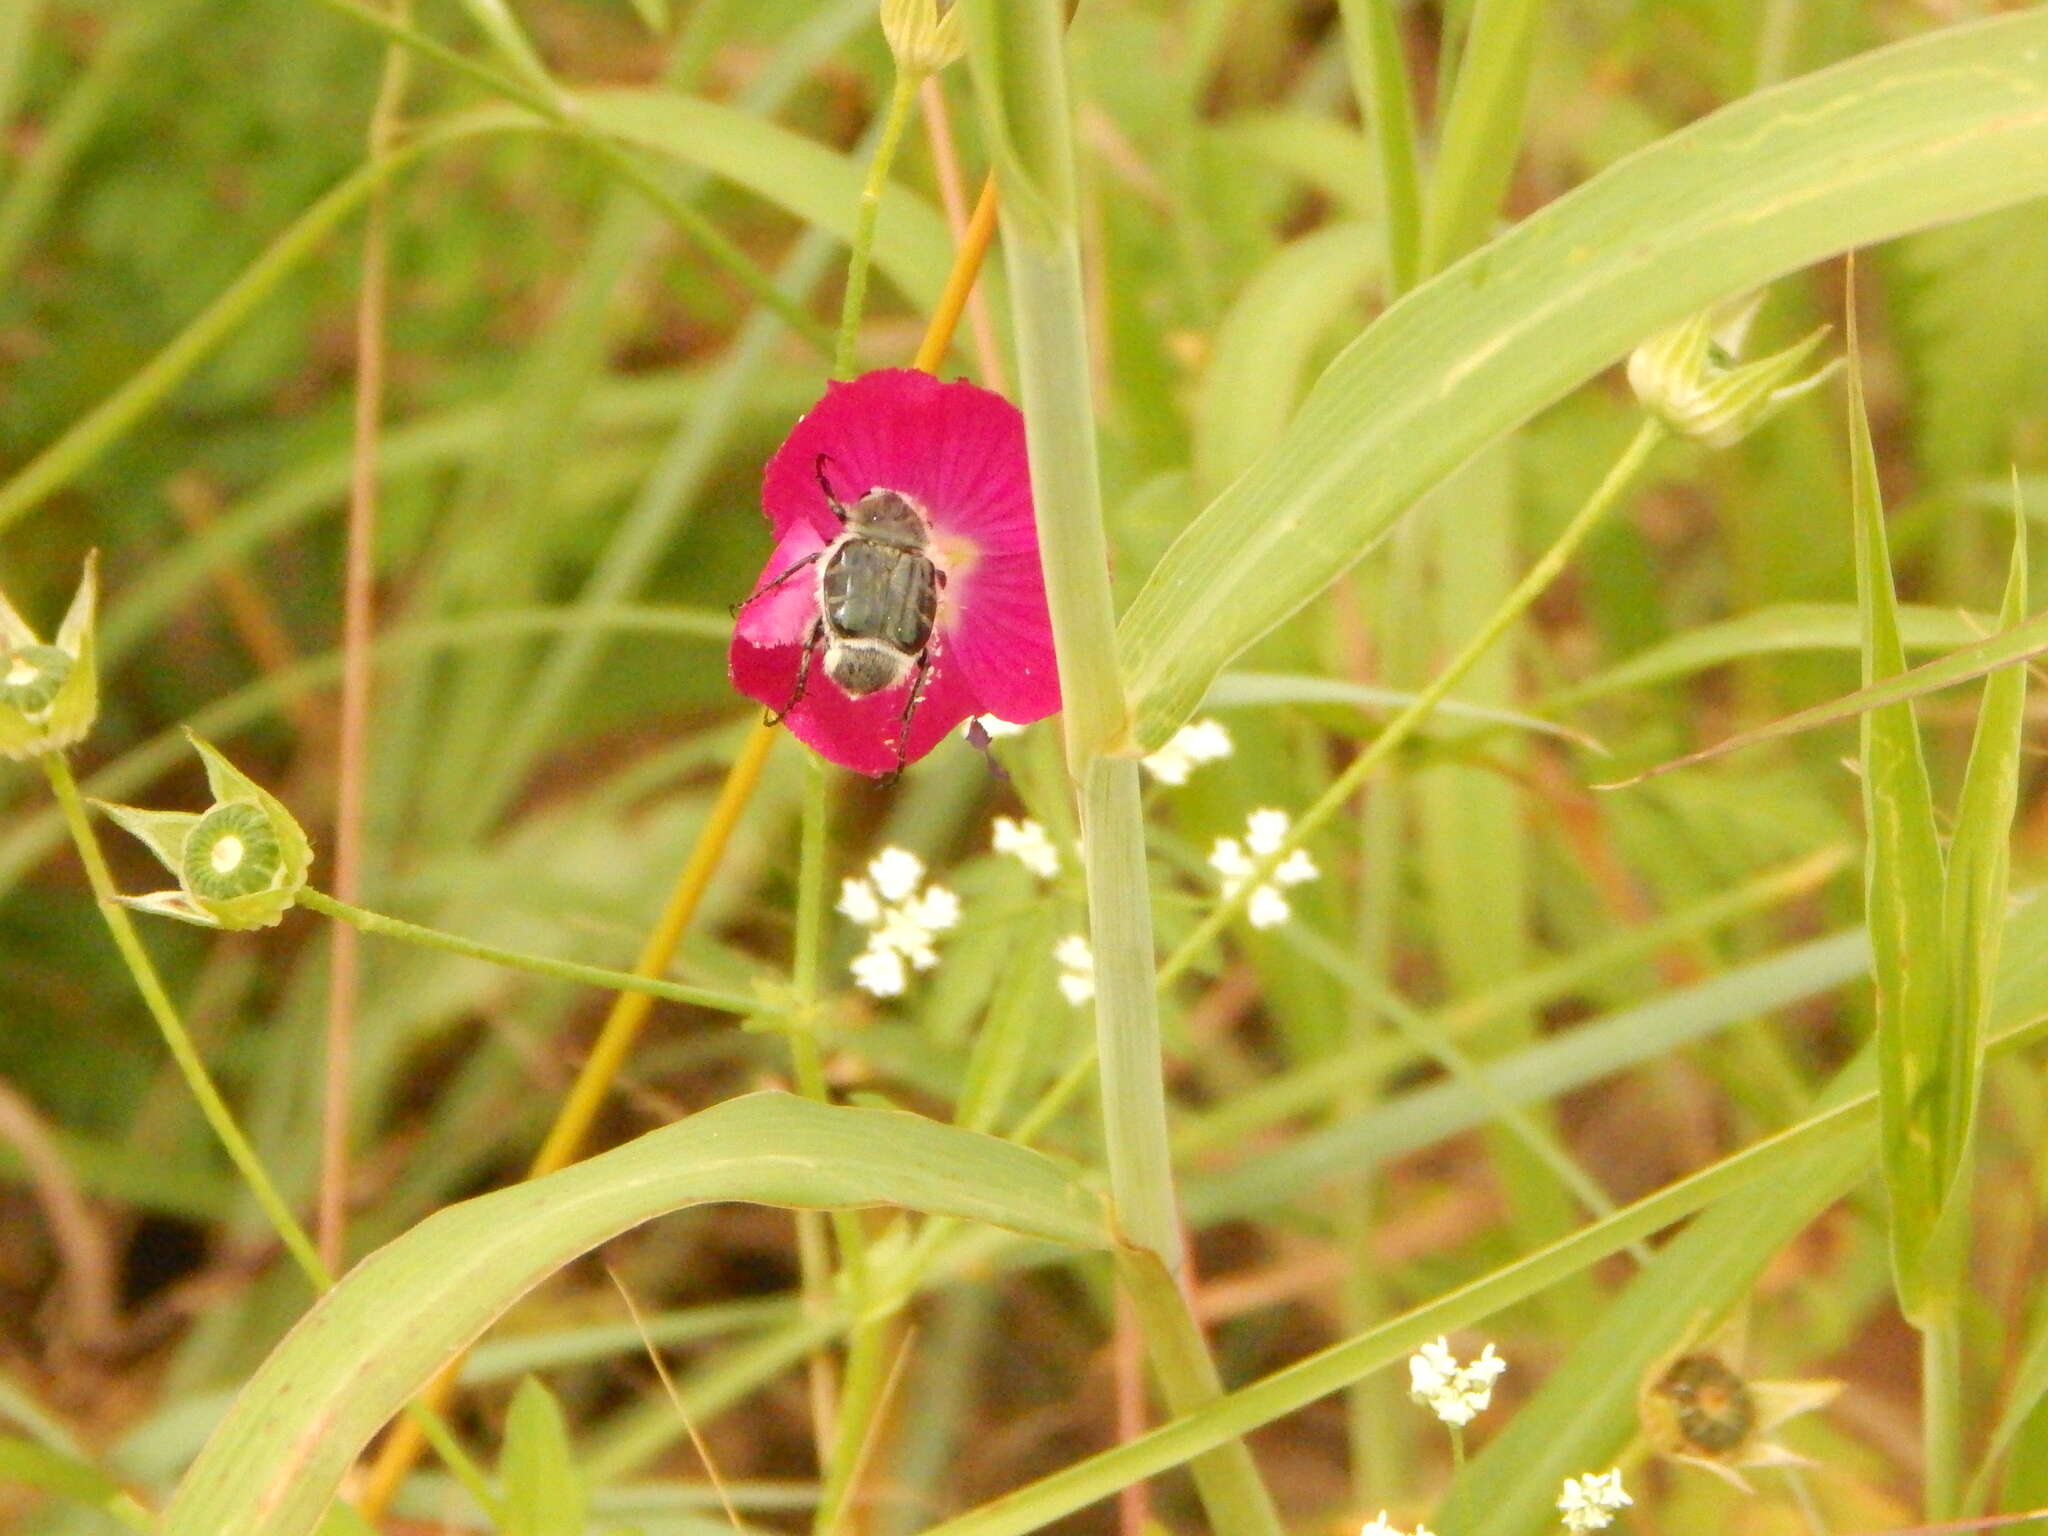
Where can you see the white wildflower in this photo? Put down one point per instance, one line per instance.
(858, 901)
(1026, 842)
(1077, 968)
(896, 872)
(1455, 1393)
(1590, 1503)
(904, 917)
(1203, 741)
(880, 971)
(1265, 832)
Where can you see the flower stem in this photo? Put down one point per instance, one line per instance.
(1941, 1411)
(627, 982)
(1539, 576)
(1019, 64)
(901, 96)
(172, 1028)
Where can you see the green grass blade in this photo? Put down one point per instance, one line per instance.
(1979, 870)
(1779, 630)
(1482, 131)
(2002, 653)
(1379, 79)
(542, 1486)
(1907, 136)
(1903, 900)
(373, 1341)
(1262, 350)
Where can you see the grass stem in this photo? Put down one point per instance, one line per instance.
(627, 983)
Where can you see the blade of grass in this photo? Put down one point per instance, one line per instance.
(1480, 138)
(1379, 79)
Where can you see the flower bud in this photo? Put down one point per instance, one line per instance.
(923, 34)
(1689, 376)
(49, 694)
(240, 864)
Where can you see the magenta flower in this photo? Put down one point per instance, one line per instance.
(904, 593)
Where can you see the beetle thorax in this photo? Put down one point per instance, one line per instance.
(889, 517)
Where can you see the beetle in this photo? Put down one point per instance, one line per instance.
(878, 602)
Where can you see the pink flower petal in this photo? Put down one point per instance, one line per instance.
(855, 733)
(958, 452)
(784, 616)
(956, 449)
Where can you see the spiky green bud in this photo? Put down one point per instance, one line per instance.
(240, 864)
(924, 35)
(49, 694)
(1689, 376)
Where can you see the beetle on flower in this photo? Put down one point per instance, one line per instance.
(904, 593)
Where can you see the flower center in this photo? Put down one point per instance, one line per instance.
(226, 854)
(32, 677)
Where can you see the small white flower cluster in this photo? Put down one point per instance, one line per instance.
(1590, 1503)
(1454, 1393)
(1204, 741)
(1077, 968)
(1026, 842)
(905, 916)
(1377, 1526)
(1234, 861)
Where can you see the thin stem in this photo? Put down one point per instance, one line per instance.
(814, 1258)
(359, 574)
(1941, 1411)
(959, 290)
(959, 220)
(628, 983)
(172, 1028)
(902, 95)
(1406, 723)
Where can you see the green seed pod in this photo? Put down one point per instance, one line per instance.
(923, 34)
(241, 864)
(49, 694)
(1689, 376)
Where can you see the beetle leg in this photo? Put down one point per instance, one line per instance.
(826, 486)
(917, 682)
(810, 559)
(803, 673)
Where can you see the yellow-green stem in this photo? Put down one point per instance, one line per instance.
(172, 1027)
(901, 96)
(518, 960)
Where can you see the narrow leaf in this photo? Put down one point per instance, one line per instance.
(1903, 888)
(543, 1488)
(1980, 863)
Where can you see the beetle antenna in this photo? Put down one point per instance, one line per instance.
(826, 486)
